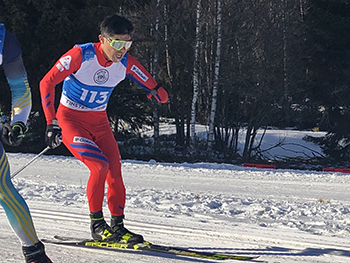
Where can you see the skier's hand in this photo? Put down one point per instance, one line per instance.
(13, 135)
(53, 135)
(159, 93)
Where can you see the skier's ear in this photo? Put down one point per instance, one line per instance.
(101, 38)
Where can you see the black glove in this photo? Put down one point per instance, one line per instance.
(13, 135)
(53, 135)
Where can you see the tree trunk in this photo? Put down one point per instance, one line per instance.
(287, 100)
(154, 73)
(216, 78)
(195, 75)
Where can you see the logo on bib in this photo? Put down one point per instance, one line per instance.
(101, 76)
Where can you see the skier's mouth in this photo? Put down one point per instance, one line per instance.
(117, 57)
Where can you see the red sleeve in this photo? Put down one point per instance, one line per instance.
(70, 62)
(136, 72)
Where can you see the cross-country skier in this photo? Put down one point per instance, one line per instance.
(15, 207)
(89, 73)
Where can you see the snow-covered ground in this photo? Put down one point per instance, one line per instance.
(281, 215)
(284, 216)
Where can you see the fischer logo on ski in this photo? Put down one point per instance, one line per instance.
(145, 247)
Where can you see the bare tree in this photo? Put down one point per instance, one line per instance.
(216, 76)
(196, 72)
(154, 73)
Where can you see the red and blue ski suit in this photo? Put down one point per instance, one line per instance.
(88, 81)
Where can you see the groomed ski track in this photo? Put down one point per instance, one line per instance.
(166, 214)
(267, 244)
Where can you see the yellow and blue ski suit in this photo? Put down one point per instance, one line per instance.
(15, 207)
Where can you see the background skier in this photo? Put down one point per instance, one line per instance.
(12, 134)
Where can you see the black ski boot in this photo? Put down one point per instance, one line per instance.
(100, 230)
(124, 235)
(35, 254)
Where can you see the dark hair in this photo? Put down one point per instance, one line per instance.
(116, 25)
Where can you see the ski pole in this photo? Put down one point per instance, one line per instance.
(28, 163)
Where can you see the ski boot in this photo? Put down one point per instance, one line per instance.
(100, 230)
(123, 234)
(35, 254)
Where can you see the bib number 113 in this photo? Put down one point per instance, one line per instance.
(94, 96)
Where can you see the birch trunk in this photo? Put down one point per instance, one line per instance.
(195, 75)
(167, 46)
(216, 78)
(302, 13)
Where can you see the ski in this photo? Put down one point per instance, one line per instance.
(145, 247)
